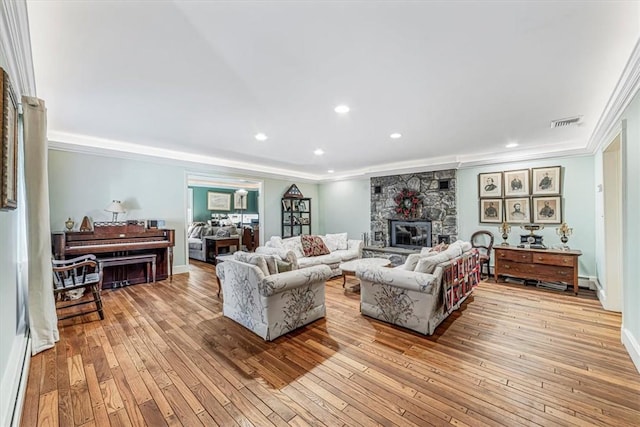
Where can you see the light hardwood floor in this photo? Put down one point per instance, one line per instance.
(165, 355)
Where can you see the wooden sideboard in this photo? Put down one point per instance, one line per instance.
(538, 264)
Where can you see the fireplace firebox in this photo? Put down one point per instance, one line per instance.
(410, 234)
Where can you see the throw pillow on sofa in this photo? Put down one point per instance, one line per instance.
(336, 242)
(196, 233)
(313, 246)
(268, 265)
(428, 264)
(293, 244)
(411, 262)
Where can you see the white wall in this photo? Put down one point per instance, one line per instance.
(345, 206)
(84, 184)
(13, 268)
(578, 192)
(274, 189)
(631, 230)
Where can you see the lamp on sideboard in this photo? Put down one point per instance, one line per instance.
(115, 207)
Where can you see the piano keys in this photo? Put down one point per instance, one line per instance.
(119, 241)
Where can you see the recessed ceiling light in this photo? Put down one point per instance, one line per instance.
(395, 135)
(318, 152)
(261, 137)
(511, 145)
(341, 109)
(330, 171)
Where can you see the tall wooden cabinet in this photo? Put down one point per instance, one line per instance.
(296, 216)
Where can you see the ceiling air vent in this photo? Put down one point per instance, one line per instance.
(569, 121)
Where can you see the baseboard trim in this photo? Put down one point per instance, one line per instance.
(632, 346)
(14, 382)
(180, 269)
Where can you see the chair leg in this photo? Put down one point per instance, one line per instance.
(98, 299)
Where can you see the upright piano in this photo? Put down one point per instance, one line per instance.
(109, 240)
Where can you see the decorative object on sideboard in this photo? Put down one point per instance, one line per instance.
(564, 232)
(407, 203)
(86, 224)
(505, 229)
(115, 207)
(532, 240)
(69, 224)
(8, 144)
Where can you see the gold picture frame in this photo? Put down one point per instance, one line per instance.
(8, 145)
(218, 201)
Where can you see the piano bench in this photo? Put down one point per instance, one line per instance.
(149, 259)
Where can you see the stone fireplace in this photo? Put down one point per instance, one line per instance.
(437, 191)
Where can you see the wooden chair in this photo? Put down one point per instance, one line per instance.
(483, 240)
(78, 273)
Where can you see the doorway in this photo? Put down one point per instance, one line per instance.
(612, 200)
(246, 212)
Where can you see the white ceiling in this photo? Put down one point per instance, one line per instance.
(196, 80)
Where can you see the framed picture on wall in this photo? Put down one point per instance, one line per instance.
(491, 211)
(546, 181)
(516, 183)
(517, 210)
(490, 184)
(218, 201)
(547, 210)
(8, 144)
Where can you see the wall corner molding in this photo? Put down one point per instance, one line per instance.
(15, 46)
(622, 95)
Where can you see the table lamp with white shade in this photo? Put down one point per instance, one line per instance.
(115, 207)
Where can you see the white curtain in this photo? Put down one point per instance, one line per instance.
(43, 321)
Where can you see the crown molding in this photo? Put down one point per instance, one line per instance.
(196, 163)
(193, 162)
(15, 46)
(622, 95)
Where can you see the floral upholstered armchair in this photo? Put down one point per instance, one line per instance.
(420, 294)
(271, 303)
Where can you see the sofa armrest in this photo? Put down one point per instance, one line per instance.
(405, 279)
(357, 245)
(281, 282)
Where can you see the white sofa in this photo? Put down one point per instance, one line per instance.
(422, 292)
(271, 305)
(342, 250)
(197, 233)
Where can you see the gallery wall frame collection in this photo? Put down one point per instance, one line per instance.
(521, 196)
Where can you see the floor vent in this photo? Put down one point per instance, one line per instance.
(569, 121)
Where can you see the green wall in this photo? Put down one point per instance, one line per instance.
(200, 198)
